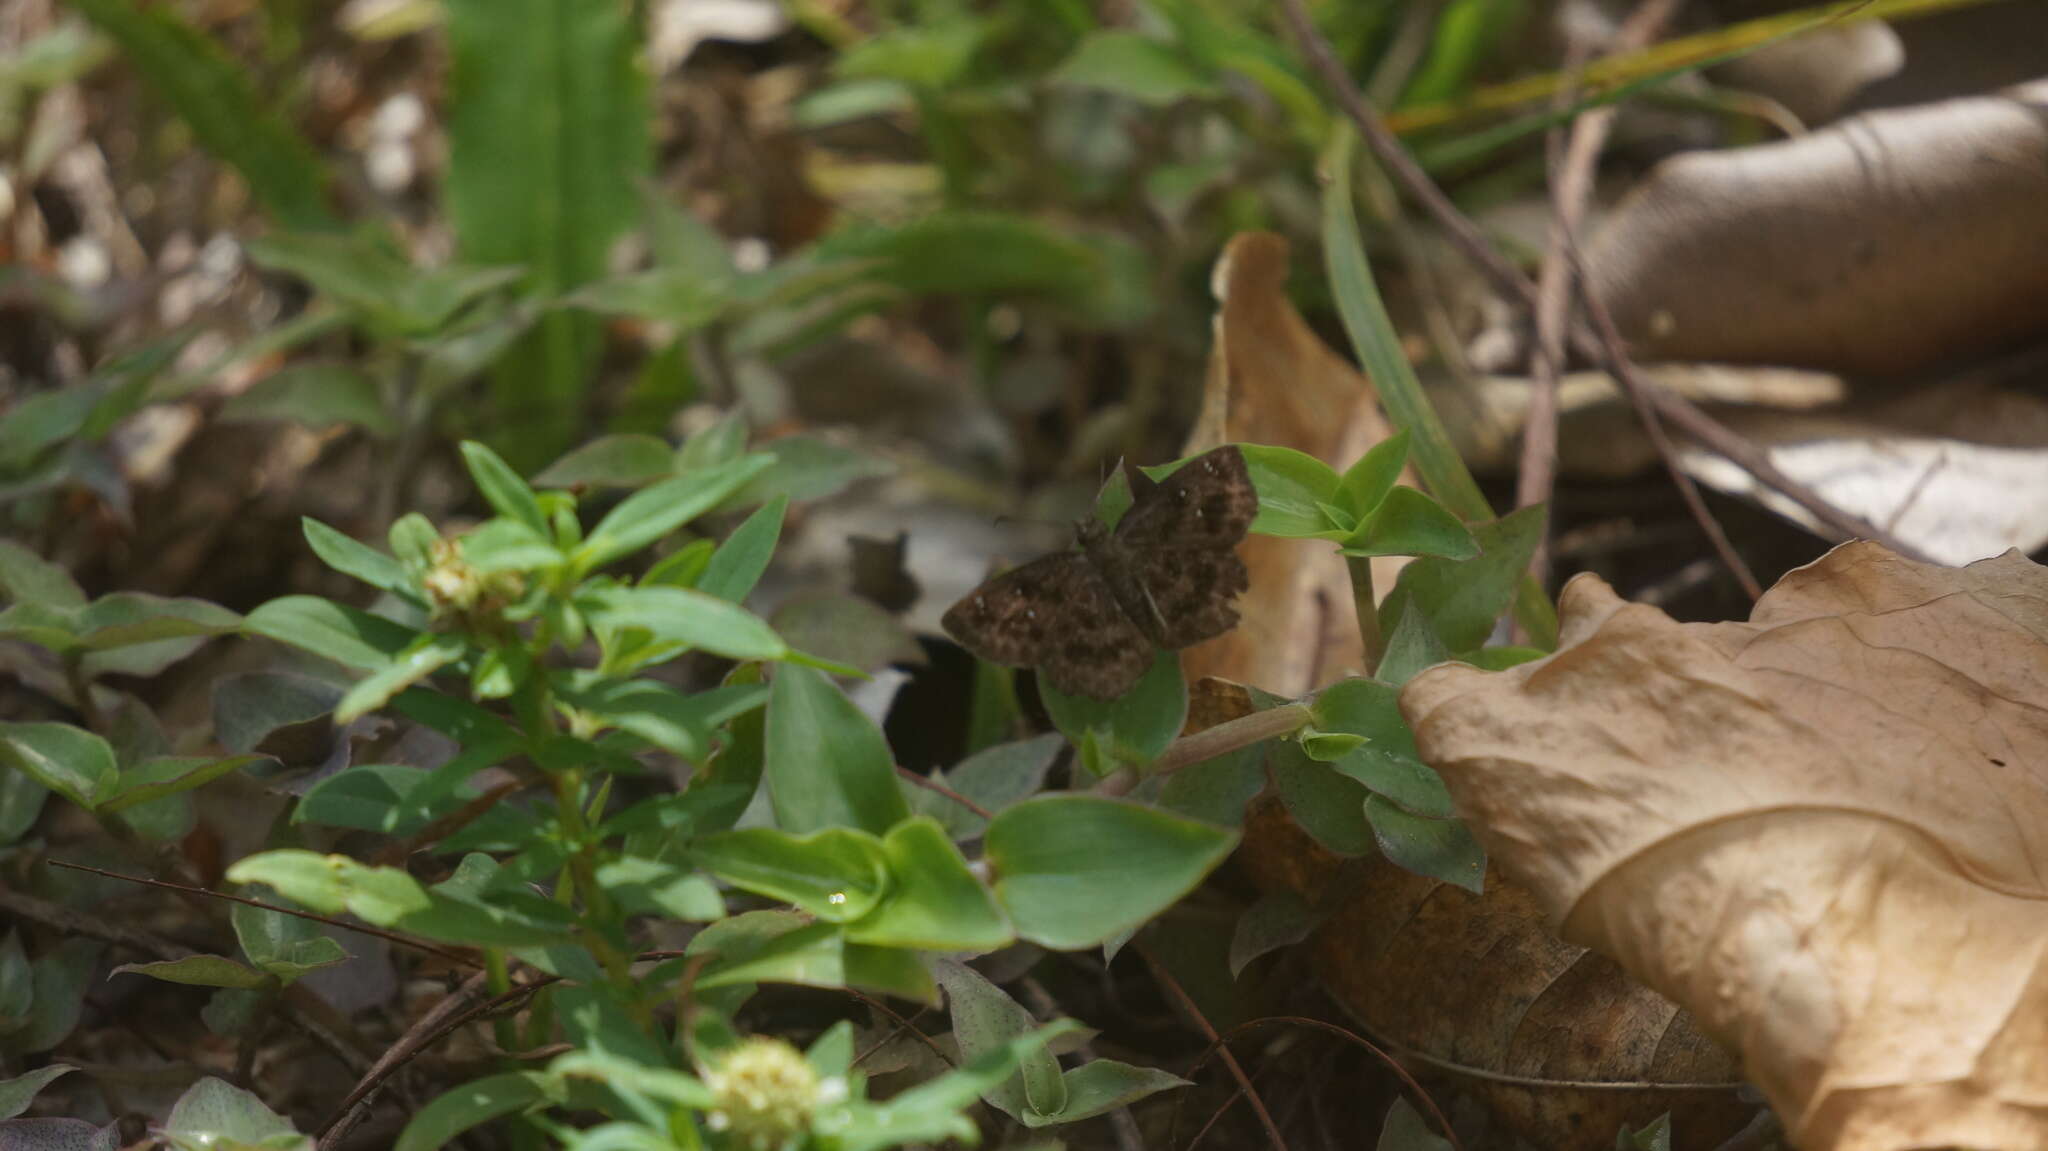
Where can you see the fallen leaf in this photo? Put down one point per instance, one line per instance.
(1822, 830)
(1271, 380)
(1822, 251)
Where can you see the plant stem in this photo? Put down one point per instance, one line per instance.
(1211, 742)
(498, 980)
(1370, 641)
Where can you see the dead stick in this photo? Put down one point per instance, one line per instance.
(1682, 413)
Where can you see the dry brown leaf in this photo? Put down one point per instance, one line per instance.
(1882, 245)
(1271, 380)
(1825, 830)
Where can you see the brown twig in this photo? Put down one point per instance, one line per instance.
(1211, 742)
(458, 1009)
(389, 936)
(1624, 370)
(1393, 1064)
(1180, 996)
(934, 786)
(398, 851)
(1562, 268)
(1680, 412)
(156, 947)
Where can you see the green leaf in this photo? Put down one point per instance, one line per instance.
(1439, 848)
(420, 659)
(806, 468)
(850, 100)
(652, 887)
(672, 296)
(17, 982)
(847, 630)
(935, 902)
(1103, 1085)
(128, 619)
(499, 545)
(1135, 66)
(154, 779)
(1379, 351)
(358, 560)
(334, 883)
(1293, 487)
(1462, 599)
(625, 461)
(1326, 804)
(467, 909)
(737, 565)
(213, 1115)
(1388, 763)
(827, 763)
(17, 1093)
(547, 125)
(1132, 729)
(316, 395)
(211, 92)
(1409, 523)
(1499, 658)
(1073, 871)
(349, 637)
(986, 1019)
(70, 761)
(1655, 1137)
(287, 946)
(929, 1112)
(1368, 481)
(655, 1082)
(1279, 919)
(28, 578)
(653, 512)
(780, 947)
(663, 716)
(929, 55)
(682, 567)
(199, 971)
(21, 801)
(502, 488)
(473, 1104)
(836, 874)
(1407, 1130)
(675, 615)
(994, 777)
(1412, 647)
(60, 976)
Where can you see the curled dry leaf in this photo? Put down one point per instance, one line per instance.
(1271, 380)
(1824, 830)
(1884, 244)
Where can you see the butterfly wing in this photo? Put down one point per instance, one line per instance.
(1056, 614)
(1208, 503)
(1180, 542)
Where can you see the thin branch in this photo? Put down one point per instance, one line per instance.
(1680, 412)
(1180, 996)
(447, 1015)
(1211, 742)
(934, 786)
(1393, 1064)
(390, 936)
(1624, 370)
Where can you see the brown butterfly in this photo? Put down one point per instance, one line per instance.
(1167, 577)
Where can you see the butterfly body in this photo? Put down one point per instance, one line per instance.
(1165, 577)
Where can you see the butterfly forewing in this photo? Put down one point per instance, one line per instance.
(1167, 576)
(1057, 614)
(1208, 503)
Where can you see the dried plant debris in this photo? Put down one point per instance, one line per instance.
(1821, 830)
